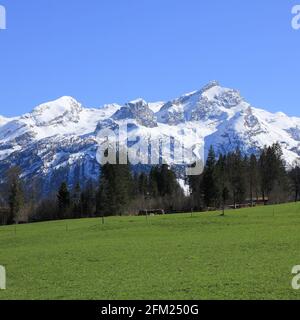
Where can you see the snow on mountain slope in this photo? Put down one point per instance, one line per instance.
(63, 110)
(210, 103)
(61, 136)
(63, 116)
(3, 120)
(156, 106)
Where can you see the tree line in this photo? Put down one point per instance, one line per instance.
(229, 179)
(237, 179)
(118, 191)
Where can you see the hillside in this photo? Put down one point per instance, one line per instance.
(248, 254)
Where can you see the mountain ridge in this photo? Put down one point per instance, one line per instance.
(61, 135)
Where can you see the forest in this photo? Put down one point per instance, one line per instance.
(230, 180)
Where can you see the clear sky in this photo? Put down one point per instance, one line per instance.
(104, 51)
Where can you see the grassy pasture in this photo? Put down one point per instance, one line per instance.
(248, 254)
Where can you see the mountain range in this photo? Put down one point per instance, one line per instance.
(58, 139)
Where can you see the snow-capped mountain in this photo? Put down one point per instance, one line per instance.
(58, 140)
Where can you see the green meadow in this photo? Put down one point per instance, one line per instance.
(248, 254)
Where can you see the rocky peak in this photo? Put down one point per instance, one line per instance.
(138, 110)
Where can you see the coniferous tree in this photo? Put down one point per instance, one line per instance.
(195, 191)
(209, 185)
(104, 197)
(253, 178)
(153, 182)
(142, 184)
(271, 169)
(222, 180)
(87, 199)
(225, 197)
(63, 200)
(124, 187)
(237, 181)
(16, 196)
(167, 183)
(294, 175)
(76, 201)
(115, 189)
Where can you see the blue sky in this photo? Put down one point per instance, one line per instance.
(104, 51)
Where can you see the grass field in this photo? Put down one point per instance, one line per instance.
(248, 254)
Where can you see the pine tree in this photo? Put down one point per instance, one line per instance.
(115, 189)
(16, 196)
(142, 184)
(124, 187)
(253, 177)
(103, 198)
(195, 183)
(225, 197)
(208, 184)
(153, 182)
(167, 183)
(87, 199)
(236, 176)
(294, 175)
(222, 180)
(76, 201)
(271, 169)
(63, 200)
